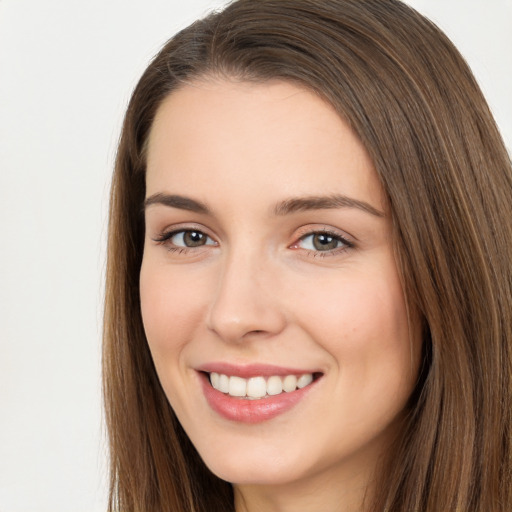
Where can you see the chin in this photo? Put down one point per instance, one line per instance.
(257, 468)
(252, 474)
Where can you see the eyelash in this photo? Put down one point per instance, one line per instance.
(165, 237)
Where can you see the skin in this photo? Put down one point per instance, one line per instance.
(259, 291)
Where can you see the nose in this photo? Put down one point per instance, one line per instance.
(246, 304)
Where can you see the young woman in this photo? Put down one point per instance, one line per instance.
(309, 281)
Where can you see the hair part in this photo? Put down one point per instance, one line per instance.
(412, 100)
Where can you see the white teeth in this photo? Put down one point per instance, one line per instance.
(304, 380)
(290, 383)
(274, 385)
(258, 387)
(214, 379)
(237, 386)
(223, 383)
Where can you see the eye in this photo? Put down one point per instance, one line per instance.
(323, 242)
(185, 239)
(190, 238)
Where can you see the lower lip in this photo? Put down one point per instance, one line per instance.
(251, 411)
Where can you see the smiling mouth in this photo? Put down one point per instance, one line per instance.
(259, 387)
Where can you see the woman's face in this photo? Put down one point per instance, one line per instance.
(268, 264)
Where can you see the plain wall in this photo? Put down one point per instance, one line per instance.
(67, 68)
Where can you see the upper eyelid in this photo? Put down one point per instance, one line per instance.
(344, 240)
(325, 232)
(306, 230)
(177, 228)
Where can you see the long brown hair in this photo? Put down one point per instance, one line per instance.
(415, 105)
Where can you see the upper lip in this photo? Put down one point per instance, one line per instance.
(252, 370)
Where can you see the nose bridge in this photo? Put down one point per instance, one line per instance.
(245, 301)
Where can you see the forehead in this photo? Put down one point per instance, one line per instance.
(250, 134)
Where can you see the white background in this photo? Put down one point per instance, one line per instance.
(67, 68)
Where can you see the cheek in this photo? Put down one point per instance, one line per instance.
(171, 309)
(362, 323)
(363, 326)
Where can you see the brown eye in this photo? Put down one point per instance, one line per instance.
(194, 238)
(323, 242)
(189, 239)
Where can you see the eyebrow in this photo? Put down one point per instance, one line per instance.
(301, 204)
(292, 205)
(176, 201)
